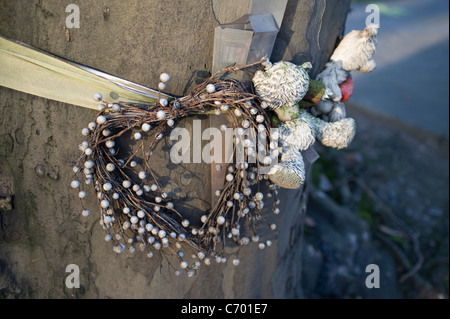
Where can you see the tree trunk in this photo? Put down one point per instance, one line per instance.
(135, 40)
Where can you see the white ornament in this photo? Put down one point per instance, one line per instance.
(210, 88)
(126, 184)
(104, 203)
(164, 77)
(89, 164)
(161, 115)
(146, 127)
(185, 223)
(183, 265)
(92, 126)
(162, 86)
(162, 233)
(98, 97)
(141, 214)
(115, 108)
(85, 132)
(245, 124)
(107, 187)
(75, 184)
(88, 151)
(110, 144)
(220, 220)
(142, 175)
(164, 103)
(260, 119)
(101, 120)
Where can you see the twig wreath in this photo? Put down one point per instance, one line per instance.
(135, 212)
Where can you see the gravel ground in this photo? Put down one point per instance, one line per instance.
(383, 201)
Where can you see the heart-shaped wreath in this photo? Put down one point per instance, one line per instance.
(134, 210)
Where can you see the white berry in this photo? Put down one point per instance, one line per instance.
(161, 115)
(89, 164)
(146, 127)
(104, 203)
(85, 132)
(110, 144)
(75, 184)
(101, 120)
(164, 77)
(162, 86)
(220, 220)
(185, 223)
(98, 97)
(163, 102)
(210, 88)
(142, 175)
(126, 184)
(230, 177)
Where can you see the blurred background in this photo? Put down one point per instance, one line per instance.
(384, 201)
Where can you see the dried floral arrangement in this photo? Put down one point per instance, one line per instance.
(137, 214)
(134, 211)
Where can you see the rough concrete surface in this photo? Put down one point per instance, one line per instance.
(135, 40)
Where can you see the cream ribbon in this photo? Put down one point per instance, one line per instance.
(27, 69)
